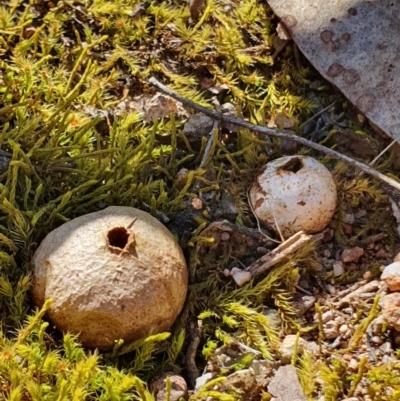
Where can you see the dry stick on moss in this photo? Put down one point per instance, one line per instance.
(195, 329)
(394, 185)
(283, 251)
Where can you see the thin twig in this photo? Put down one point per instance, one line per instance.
(318, 114)
(277, 134)
(283, 251)
(210, 142)
(193, 372)
(380, 154)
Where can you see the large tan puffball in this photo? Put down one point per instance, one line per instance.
(113, 274)
(294, 193)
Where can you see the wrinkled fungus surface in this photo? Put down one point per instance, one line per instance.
(110, 279)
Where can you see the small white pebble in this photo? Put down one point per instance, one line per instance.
(343, 328)
(331, 289)
(241, 278)
(226, 272)
(338, 268)
(376, 340)
(326, 316)
(225, 236)
(353, 364)
(367, 275)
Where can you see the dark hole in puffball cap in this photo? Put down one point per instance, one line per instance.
(118, 237)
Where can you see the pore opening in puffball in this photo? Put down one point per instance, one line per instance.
(294, 165)
(118, 237)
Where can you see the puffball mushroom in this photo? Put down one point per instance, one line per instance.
(294, 193)
(113, 274)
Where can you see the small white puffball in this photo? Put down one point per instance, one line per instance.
(294, 193)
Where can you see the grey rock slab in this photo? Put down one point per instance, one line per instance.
(355, 46)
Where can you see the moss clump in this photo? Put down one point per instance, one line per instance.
(33, 369)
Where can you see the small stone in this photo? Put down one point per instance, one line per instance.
(338, 269)
(351, 254)
(225, 236)
(391, 276)
(326, 253)
(243, 380)
(348, 229)
(29, 31)
(377, 340)
(376, 326)
(331, 289)
(343, 328)
(353, 364)
(226, 272)
(305, 303)
(182, 173)
(285, 385)
(282, 32)
(273, 316)
(262, 250)
(328, 235)
(261, 370)
(197, 126)
(228, 107)
(283, 121)
(304, 283)
(179, 389)
(227, 208)
(287, 347)
(203, 380)
(331, 329)
(207, 83)
(288, 147)
(197, 203)
(396, 337)
(326, 316)
(241, 278)
(348, 218)
(367, 275)
(230, 110)
(5, 159)
(390, 305)
(382, 254)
